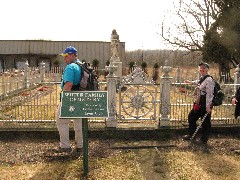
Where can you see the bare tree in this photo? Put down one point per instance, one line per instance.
(194, 27)
(190, 22)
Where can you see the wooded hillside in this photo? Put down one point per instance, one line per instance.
(175, 58)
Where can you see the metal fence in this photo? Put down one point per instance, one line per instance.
(182, 101)
(29, 98)
(30, 103)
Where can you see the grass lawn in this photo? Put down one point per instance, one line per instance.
(25, 159)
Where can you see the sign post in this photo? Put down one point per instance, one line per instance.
(85, 145)
(84, 104)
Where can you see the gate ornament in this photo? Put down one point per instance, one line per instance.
(138, 76)
(137, 101)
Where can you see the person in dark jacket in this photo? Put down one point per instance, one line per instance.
(202, 104)
(236, 102)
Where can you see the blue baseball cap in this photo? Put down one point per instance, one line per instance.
(69, 50)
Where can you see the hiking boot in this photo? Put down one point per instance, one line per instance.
(62, 150)
(201, 142)
(77, 152)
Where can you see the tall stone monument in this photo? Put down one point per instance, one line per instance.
(115, 60)
(165, 105)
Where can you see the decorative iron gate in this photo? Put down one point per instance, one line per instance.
(137, 97)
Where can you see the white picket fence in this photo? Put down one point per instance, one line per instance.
(13, 80)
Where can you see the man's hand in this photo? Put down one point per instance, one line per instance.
(188, 81)
(234, 101)
(67, 86)
(209, 110)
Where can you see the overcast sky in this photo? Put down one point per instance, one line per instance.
(136, 21)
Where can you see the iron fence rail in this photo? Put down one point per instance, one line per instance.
(34, 107)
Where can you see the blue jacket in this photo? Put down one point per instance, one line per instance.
(72, 73)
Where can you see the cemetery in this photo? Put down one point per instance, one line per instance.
(145, 118)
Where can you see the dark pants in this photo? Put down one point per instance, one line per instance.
(237, 110)
(193, 116)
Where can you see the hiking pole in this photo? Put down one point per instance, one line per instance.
(199, 126)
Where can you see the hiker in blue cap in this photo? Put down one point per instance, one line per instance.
(70, 82)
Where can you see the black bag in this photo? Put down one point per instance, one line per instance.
(89, 79)
(218, 95)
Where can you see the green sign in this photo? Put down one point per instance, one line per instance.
(84, 104)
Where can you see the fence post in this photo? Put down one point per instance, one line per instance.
(42, 71)
(165, 105)
(178, 75)
(3, 83)
(236, 78)
(26, 75)
(111, 121)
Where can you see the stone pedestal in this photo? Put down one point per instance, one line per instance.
(165, 105)
(119, 68)
(111, 121)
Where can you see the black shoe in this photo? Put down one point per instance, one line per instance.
(187, 137)
(201, 142)
(77, 152)
(62, 150)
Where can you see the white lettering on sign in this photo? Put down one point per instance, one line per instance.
(84, 104)
(84, 99)
(88, 95)
(96, 107)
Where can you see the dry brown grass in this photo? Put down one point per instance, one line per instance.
(175, 165)
(118, 166)
(183, 161)
(196, 165)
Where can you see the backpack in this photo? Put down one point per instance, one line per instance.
(218, 95)
(89, 79)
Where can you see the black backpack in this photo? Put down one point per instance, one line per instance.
(89, 79)
(218, 95)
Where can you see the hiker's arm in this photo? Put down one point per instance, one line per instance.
(209, 110)
(67, 86)
(234, 101)
(236, 96)
(68, 78)
(191, 82)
